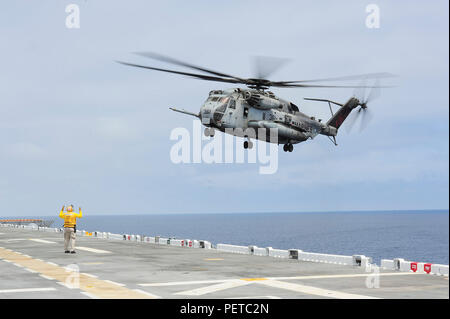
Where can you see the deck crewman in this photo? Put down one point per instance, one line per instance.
(70, 224)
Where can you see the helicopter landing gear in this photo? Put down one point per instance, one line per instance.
(248, 144)
(210, 132)
(288, 147)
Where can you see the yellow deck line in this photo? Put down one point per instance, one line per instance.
(93, 286)
(253, 279)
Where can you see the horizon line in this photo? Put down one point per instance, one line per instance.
(260, 212)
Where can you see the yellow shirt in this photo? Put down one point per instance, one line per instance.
(70, 218)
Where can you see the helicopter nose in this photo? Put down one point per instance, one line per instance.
(205, 115)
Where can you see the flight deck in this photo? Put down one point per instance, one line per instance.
(34, 265)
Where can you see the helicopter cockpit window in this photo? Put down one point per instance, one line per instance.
(232, 104)
(224, 100)
(218, 113)
(294, 107)
(213, 98)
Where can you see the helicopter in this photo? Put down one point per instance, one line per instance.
(238, 111)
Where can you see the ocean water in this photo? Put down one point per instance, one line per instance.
(415, 235)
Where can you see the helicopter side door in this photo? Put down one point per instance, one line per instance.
(231, 117)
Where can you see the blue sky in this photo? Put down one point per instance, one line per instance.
(76, 127)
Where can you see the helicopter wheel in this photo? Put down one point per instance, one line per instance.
(288, 147)
(248, 144)
(209, 132)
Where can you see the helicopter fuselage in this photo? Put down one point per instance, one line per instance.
(238, 111)
(257, 113)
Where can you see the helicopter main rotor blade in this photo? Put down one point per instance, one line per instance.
(263, 66)
(345, 78)
(374, 93)
(264, 69)
(360, 93)
(276, 84)
(199, 76)
(170, 60)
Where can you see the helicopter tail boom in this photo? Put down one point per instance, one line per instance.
(339, 117)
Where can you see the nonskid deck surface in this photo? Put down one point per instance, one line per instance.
(33, 265)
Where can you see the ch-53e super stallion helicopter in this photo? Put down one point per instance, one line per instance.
(237, 110)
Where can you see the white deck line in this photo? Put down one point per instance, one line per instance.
(311, 290)
(198, 282)
(93, 250)
(214, 288)
(147, 293)
(115, 283)
(256, 297)
(341, 276)
(46, 277)
(180, 283)
(89, 295)
(42, 241)
(6, 291)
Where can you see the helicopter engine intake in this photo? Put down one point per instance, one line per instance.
(261, 101)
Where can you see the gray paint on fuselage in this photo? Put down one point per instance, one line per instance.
(235, 118)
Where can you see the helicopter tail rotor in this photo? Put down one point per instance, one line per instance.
(363, 111)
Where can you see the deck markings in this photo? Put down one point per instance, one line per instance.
(94, 287)
(214, 288)
(213, 259)
(275, 284)
(69, 286)
(253, 279)
(31, 270)
(114, 283)
(340, 276)
(180, 283)
(176, 283)
(219, 285)
(311, 290)
(7, 291)
(42, 241)
(89, 295)
(12, 240)
(93, 250)
(147, 293)
(256, 297)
